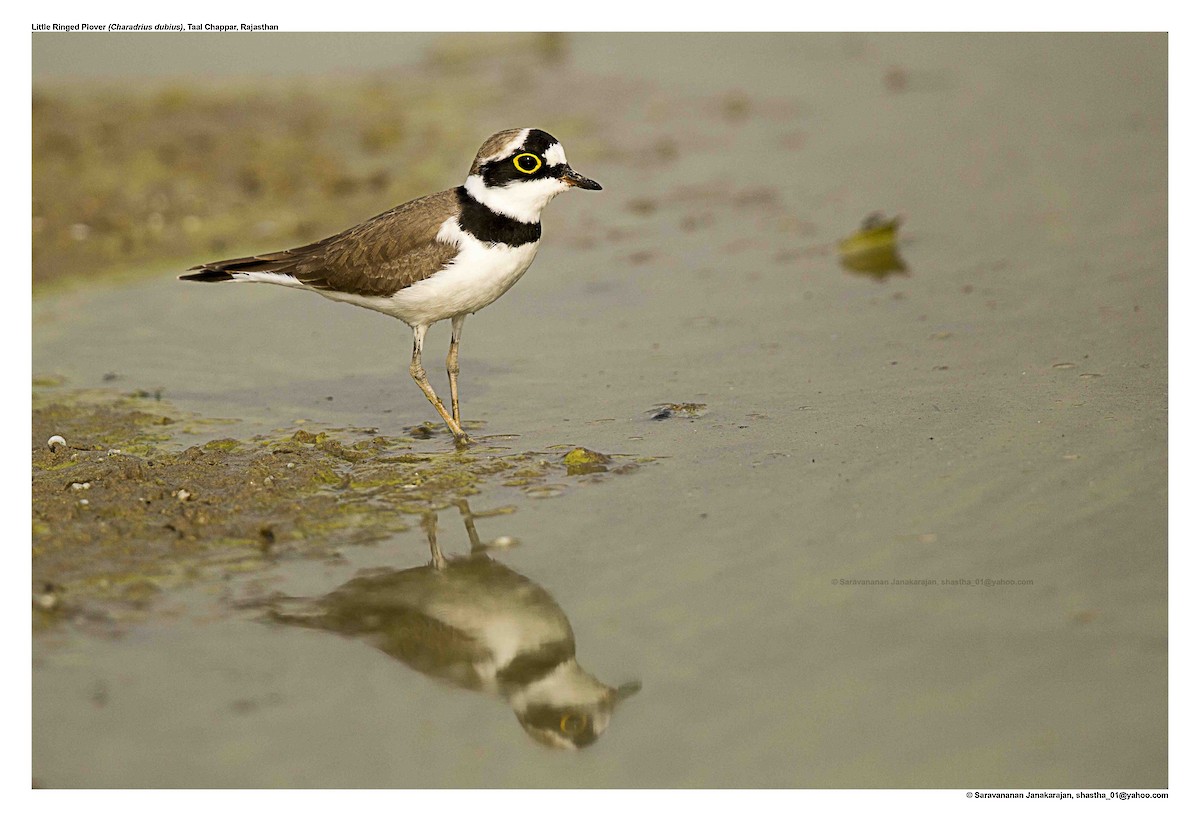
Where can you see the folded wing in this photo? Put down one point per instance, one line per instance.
(380, 257)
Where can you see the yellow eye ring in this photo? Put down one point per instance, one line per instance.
(571, 723)
(517, 162)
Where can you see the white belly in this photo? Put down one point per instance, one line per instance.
(477, 277)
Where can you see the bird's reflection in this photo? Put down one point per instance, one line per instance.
(473, 622)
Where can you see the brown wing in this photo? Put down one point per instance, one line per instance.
(377, 258)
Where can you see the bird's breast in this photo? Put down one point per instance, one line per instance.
(479, 275)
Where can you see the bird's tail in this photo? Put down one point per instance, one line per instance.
(278, 608)
(244, 267)
(207, 275)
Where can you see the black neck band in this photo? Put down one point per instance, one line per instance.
(536, 664)
(486, 225)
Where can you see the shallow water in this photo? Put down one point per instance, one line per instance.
(998, 414)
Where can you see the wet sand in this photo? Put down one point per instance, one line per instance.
(997, 415)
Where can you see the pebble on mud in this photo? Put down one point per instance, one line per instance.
(55, 442)
(48, 599)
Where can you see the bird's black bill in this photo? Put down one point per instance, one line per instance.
(626, 690)
(573, 177)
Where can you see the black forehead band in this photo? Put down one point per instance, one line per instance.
(537, 142)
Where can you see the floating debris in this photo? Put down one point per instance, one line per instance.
(687, 410)
(872, 249)
(582, 460)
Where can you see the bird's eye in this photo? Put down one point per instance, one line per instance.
(572, 723)
(527, 163)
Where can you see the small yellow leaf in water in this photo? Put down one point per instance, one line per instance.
(872, 249)
(582, 460)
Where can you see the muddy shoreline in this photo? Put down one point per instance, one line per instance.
(121, 510)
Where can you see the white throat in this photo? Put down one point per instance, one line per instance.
(566, 685)
(522, 200)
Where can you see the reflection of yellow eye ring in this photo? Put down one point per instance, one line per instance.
(571, 723)
(536, 159)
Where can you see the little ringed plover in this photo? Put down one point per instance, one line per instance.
(442, 256)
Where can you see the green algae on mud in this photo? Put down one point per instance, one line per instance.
(123, 510)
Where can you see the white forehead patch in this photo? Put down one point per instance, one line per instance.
(555, 155)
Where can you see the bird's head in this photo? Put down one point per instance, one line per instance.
(517, 172)
(573, 726)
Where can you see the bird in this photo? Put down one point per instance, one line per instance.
(472, 622)
(442, 256)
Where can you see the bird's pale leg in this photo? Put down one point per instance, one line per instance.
(418, 374)
(429, 522)
(456, 325)
(469, 520)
